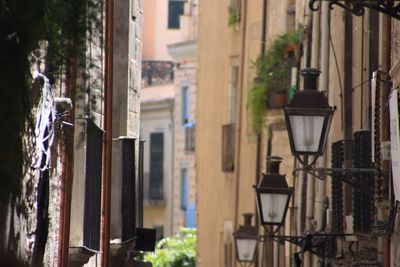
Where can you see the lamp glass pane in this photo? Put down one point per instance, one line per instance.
(246, 249)
(306, 131)
(273, 207)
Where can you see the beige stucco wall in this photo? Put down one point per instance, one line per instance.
(222, 197)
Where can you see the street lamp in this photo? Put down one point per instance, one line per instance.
(273, 195)
(246, 239)
(308, 118)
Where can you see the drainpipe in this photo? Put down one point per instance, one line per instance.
(323, 85)
(172, 199)
(67, 166)
(106, 181)
(303, 180)
(268, 246)
(314, 64)
(239, 115)
(385, 62)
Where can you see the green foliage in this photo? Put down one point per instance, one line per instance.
(234, 17)
(63, 25)
(272, 73)
(175, 251)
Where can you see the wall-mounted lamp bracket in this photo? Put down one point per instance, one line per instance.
(320, 244)
(357, 7)
(347, 174)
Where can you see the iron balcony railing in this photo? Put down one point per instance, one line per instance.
(157, 73)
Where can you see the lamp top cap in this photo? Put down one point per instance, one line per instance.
(273, 163)
(310, 71)
(247, 218)
(274, 159)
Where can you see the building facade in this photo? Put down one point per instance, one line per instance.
(185, 85)
(357, 57)
(62, 189)
(166, 24)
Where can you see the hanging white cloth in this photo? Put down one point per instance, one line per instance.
(44, 129)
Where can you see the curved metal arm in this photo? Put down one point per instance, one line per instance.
(357, 7)
(346, 172)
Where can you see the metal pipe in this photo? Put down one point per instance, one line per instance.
(67, 165)
(239, 115)
(258, 140)
(172, 199)
(385, 62)
(106, 182)
(310, 185)
(348, 104)
(323, 85)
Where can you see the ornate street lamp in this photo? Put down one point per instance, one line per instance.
(246, 239)
(308, 118)
(273, 195)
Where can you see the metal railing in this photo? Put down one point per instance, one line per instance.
(157, 73)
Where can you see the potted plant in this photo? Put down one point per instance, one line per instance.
(271, 85)
(233, 17)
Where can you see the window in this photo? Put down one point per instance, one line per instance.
(184, 189)
(190, 131)
(228, 147)
(156, 166)
(175, 10)
(185, 105)
(233, 85)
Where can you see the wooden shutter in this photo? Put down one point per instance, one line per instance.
(228, 147)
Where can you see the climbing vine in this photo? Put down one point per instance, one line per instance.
(59, 27)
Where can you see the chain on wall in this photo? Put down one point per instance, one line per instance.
(337, 189)
(363, 201)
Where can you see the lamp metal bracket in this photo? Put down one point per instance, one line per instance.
(357, 7)
(347, 174)
(320, 244)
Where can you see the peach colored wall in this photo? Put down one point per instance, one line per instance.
(217, 196)
(149, 26)
(156, 35)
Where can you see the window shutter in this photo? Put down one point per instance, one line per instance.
(128, 194)
(156, 166)
(93, 171)
(175, 10)
(228, 147)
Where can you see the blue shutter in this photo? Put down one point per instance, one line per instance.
(185, 105)
(184, 189)
(175, 9)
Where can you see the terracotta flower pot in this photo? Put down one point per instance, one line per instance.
(278, 99)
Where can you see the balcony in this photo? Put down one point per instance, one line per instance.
(155, 73)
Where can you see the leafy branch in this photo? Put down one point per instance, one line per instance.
(175, 251)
